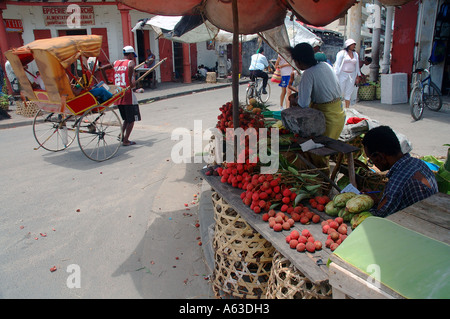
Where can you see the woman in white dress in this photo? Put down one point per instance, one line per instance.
(347, 70)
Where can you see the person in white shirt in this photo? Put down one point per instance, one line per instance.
(285, 70)
(38, 80)
(257, 65)
(347, 70)
(318, 89)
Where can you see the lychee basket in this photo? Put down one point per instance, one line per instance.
(286, 282)
(243, 258)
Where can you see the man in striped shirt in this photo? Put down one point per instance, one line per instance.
(410, 179)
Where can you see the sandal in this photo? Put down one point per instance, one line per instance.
(130, 143)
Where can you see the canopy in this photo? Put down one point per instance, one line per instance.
(176, 28)
(52, 57)
(253, 15)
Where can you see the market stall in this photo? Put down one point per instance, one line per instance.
(276, 233)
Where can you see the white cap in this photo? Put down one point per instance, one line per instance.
(349, 42)
(129, 49)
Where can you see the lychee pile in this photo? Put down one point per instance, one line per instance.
(319, 202)
(246, 119)
(336, 230)
(303, 241)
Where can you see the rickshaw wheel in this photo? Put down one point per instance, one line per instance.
(53, 132)
(99, 134)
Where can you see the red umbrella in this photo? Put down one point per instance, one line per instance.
(249, 16)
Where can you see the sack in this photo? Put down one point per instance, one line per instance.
(276, 77)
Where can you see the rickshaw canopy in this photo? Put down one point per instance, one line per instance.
(52, 56)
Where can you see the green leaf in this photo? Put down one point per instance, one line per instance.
(309, 176)
(300, 197)
(312, 188)
(292, 170)
(274, 205)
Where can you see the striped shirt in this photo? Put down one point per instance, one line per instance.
(402, 189)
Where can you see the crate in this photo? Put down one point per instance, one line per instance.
(242, 257)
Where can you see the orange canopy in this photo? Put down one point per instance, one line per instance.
(52, 57)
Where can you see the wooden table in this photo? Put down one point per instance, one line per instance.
(332, 147)
(430, 217)
(312, 265)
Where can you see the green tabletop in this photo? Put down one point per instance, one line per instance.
(411, 264)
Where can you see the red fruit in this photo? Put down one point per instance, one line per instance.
(318, 245)
(284, 208)
(306, 233)
(311, 239)
(291, 221)
(279, 219)
(276, 189)
(334, 235)
(342, 229)
(262, 203)
(304, 220)
(325, 229)
(298, 209)
(290, 210)
(272, 222)
(301, 247)
(287, 192)
(295, 234)
(321, 200)
(339, 220)
(333, 246)
(263, 195)
(316, 219)
(334, 225)
(257, 209)
(310, 247)
(302, 239)
(288, 238)
(286, 200)
(265, 217)
(286, 226)
(295, 217)
(293, 243)
(314, 204)
(271, 213)
(328, 242)
(320, 207)
(277, 227)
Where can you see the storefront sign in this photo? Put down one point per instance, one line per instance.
(60, 15)
(13, 25)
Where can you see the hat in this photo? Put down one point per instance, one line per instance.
(129, 49)
(349, 42)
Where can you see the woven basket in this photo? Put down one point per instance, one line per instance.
(366, 92)
(28, 110)
(286, 282)
(243, 258)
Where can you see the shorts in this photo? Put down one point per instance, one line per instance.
(130, 113)
(284, 81)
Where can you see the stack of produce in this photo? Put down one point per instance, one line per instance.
(247, 119)
(351, 207)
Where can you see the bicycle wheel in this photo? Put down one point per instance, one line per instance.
(249, 93)
(263, 98)
(99, 134)
(416, 103)
(432, 96)
(53, 132)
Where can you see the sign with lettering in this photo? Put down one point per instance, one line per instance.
(13, 25)
(60, 15)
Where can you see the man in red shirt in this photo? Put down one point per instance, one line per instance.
(124, 76)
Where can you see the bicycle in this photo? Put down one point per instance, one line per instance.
(424, 93)
(254, 90)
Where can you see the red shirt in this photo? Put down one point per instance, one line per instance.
(122, 80)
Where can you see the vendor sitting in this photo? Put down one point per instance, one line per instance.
(410, 179)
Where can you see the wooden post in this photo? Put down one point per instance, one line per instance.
(235, 75)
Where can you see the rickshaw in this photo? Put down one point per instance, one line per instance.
(69, 107)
